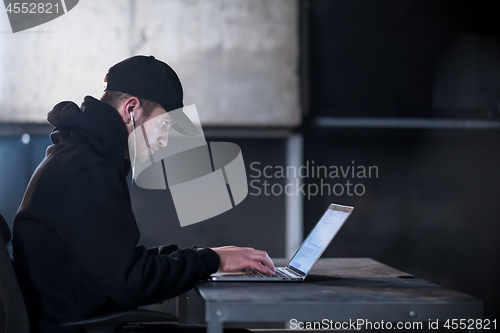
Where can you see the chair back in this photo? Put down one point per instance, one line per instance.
(16, 316)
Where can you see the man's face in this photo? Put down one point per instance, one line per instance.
(150, 134)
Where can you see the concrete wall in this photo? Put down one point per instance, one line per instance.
(237, 59)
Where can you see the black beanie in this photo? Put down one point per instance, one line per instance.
(148, 78)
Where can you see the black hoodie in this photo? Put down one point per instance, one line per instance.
(75, 236)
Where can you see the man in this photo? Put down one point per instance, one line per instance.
(75, 236)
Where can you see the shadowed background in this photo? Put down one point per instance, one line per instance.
(412, 87)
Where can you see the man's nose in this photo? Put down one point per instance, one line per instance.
(163, 140)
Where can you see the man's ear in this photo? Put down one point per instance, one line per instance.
(130, 108)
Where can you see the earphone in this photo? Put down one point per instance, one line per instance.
(135, 145)
(133, 164)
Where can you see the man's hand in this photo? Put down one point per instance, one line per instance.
(233, 258)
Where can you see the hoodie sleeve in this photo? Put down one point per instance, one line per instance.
(163, 249)
(97, 225)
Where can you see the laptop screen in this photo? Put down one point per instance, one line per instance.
(319, 239)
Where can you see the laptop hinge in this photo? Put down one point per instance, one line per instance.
(295, 271)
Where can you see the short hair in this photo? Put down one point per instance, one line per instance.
(115, 98)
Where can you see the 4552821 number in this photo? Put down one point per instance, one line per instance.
(32, 8)
(470, 324)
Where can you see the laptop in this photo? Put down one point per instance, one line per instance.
(306, 256)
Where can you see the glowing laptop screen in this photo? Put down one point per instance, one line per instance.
(318, 240)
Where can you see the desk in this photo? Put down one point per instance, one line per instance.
(339, 290)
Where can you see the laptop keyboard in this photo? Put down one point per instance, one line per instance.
(252, 272)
